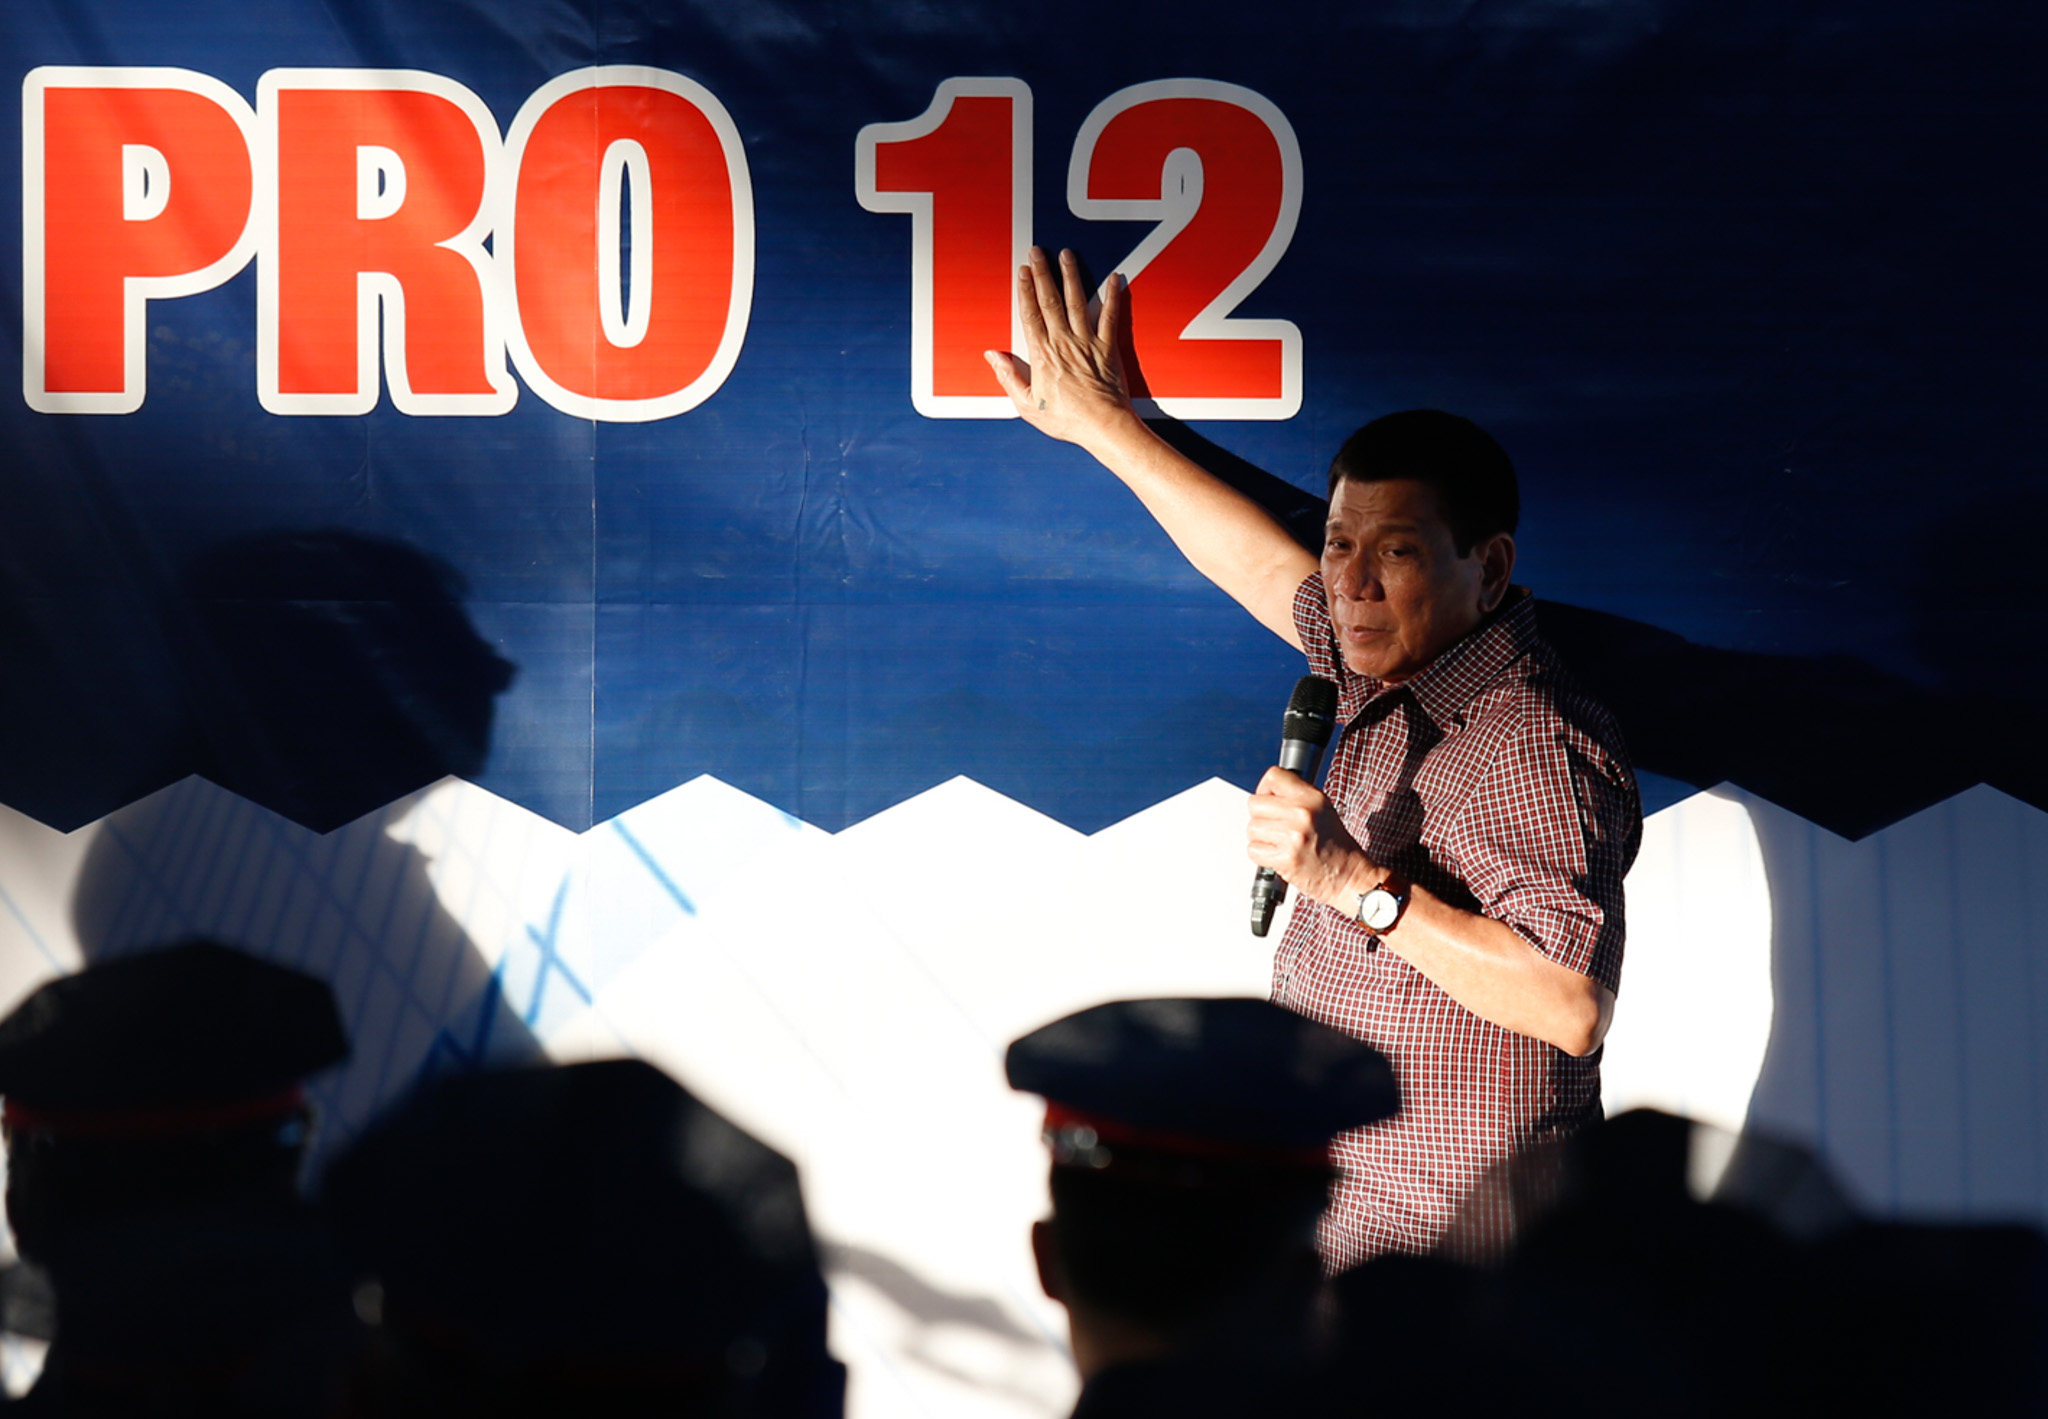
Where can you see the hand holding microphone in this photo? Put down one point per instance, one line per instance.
(1304, 732)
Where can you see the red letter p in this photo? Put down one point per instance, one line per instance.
(136, 184)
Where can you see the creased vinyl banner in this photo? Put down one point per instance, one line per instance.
(581, 398)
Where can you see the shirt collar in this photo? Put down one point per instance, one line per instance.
(1454, 679)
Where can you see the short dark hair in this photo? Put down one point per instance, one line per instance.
(1469, 472)
(1166, 1255)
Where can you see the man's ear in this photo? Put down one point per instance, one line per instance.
(1045, 1250)
(1496, 565)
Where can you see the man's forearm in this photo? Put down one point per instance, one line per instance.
(1488, 967)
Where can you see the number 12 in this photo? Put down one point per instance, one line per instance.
(1216, 167)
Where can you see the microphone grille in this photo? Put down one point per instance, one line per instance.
(1315, 697)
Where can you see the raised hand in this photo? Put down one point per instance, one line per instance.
(1070, 385)
(1070, 382)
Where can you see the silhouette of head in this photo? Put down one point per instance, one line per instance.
(332, 672)
(1190, 1162)
(586, 1239)
(167, 1078)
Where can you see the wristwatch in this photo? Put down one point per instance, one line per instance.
(1380, 908)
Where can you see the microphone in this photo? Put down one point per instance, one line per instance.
(1304, 730)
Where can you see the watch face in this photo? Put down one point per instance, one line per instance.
(1378, 910)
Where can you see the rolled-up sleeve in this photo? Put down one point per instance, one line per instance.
(1545, 841)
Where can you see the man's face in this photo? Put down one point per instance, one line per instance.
(1400, 594)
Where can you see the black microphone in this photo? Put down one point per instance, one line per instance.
(1304, 730)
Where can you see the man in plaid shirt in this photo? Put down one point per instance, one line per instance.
(1463, 875)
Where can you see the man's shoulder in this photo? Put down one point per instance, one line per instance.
(1536, 694)
(1538, 731)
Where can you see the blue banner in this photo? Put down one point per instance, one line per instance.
(346, 456)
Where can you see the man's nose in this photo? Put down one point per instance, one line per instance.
(1348, 578)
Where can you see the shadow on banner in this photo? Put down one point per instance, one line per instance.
(324, 676)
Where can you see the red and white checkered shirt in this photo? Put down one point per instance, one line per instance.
(1493, 780)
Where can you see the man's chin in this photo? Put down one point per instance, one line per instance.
(1376, 667)
(1380, 661)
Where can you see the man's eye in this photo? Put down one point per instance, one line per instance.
(1400, 550)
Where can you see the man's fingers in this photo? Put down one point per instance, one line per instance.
(1262, 837)
(1028, 311)
(1109, 318)
(1288, 787)
(1076, 294)
(1013, 374)
(1273, 833)
(1276, 821)
(1045, 288)
(1276, 848)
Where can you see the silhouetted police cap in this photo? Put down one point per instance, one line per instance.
(1237, 1077)
(191, 1025)
(587, 1215)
